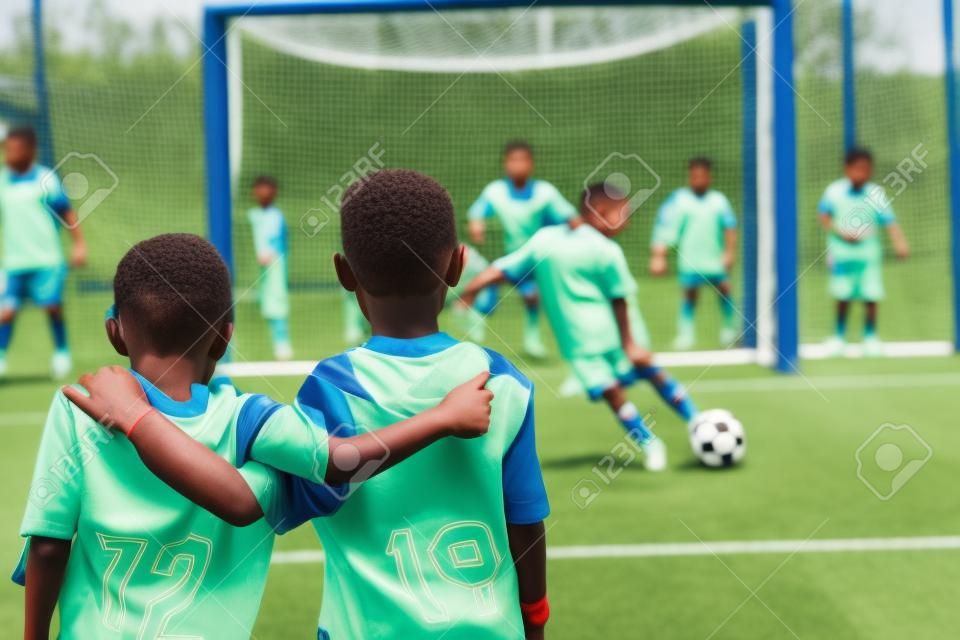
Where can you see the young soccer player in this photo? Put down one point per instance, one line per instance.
(699, 222)
(270, 243)
(523, 205)
(123, 554)
(852, 211)
(425, 550)
(588, 292)
(31, 200)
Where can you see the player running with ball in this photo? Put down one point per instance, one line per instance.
(587, 287)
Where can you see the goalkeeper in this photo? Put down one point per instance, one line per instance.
(852, 211)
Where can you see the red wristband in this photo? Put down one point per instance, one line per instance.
(536, 613)
(138, 420)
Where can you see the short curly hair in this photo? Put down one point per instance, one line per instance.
(175, 289)
(398, 230)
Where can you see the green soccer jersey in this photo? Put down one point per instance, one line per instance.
(579, 271)
(695, 226)
(146, 562)
(860, 213)
(420, 551)
(522, 212)
(29, 205)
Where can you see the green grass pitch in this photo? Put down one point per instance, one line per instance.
(799, 480)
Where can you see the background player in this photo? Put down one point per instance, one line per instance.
(587, 286)
(172, 319)
(270, 243)
(484, 495)
(853, 210)
(523, 205)
(471, 317)
(31, 201)
(699, 222)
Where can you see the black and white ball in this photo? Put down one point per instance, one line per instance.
(718, 438)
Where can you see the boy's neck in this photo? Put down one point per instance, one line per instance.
(22, 169)
(173, 375)
(520, 183)
(403, 318)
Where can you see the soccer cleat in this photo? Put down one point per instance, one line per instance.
(683, 341)
(283, 351)
(872, 347)
(570, 387)
(728, 336)
(834, 346)
(60, 365)
(655, 454)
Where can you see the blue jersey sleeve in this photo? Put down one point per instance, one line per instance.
(481, 209)
(524, 495)
(54, 197)
(296, 447)
(826, 206)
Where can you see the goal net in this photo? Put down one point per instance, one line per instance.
(898, 115)
(626, 94)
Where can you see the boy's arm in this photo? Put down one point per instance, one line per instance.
(637, 354)
(116, 400)
(476, 218)
(53, 510)
(730, 247)
(490, 276)
(46, 564)
(899, 240)
(526, 507)
(528, 547)
(78, 250)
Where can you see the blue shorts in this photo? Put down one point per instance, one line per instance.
(486, 301)
(44, 287)
(527, 286)
(696, 280)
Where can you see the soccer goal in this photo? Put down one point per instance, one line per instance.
(317, 94)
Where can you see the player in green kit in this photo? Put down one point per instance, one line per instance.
(588, 293)
(122, 554)
(32, 207)
(523, 205)
(270, 243)
(450, 544)
(699, 222)
(853, 210)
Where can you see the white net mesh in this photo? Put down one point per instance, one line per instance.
(596, 91)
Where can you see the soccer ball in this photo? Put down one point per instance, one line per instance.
(717, 438)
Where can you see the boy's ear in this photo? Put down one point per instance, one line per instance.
(115, 336)
(455, 269)
(344, 273)
(221, 341)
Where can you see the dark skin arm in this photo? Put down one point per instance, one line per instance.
(487, 277)
(46, 565)
(528, 546)
(637, 354)
(116, 400)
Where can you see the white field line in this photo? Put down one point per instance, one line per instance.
(685, 549)
(725, 357)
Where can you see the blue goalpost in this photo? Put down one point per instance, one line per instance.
(777, 131)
